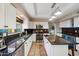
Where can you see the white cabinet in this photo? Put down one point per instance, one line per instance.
(66, 23)
(28, 45)
(47, 46)
(2, 15)
(7, 15)
(55, 50)
(10, 16)
(59, 50)
(76, 21)
(34, 37)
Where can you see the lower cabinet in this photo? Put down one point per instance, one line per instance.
(27, 45)
(47, 46)
(59, 50)
(20, 51)
(55, 50)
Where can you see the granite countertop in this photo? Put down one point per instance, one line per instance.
(56, 40)
(10, 53)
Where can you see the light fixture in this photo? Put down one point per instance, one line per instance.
(50, 19)
(58, 13)
(21, 15)
(18, 16)
(53, 17)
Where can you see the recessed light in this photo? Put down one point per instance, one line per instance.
(53, 17)
(58, 13)
(21, 15)
(50, 19)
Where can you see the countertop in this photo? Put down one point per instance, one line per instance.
(56, 40)
(4, 53)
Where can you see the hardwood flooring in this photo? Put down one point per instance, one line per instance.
(37, 49)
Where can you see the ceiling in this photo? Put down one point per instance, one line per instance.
(46, 10)
(38, 10)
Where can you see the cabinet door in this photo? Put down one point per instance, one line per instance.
(10, 16)
(47, 46)
(26, 48)
(28, 45)
(2, 15)
(60, 50)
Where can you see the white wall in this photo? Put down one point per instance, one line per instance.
(33, 24)
(57, 28)
(25, 24)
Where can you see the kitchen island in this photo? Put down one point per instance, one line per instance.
(55, 45)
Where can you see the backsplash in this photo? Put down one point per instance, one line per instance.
(9, 30)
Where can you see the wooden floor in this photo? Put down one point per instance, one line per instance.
(37, 49)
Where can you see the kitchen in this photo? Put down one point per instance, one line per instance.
(39, 29)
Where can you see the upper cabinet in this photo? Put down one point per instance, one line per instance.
(66, 23)
(76, 21)
(7, 16)
(10, 16)
(2, 15)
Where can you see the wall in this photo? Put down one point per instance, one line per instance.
(33, 24)
(57, 28)
(25, 24)
(24, 17)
